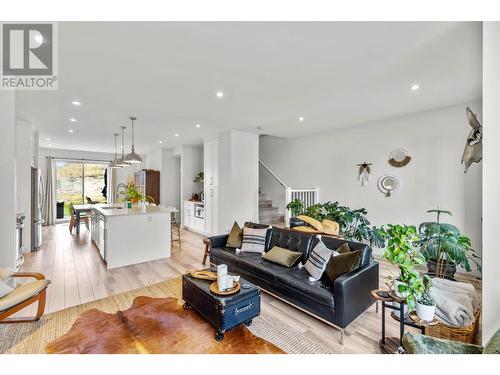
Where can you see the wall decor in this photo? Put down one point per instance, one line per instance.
(388, 184)
(399, 157)
(364, 173)
(473, 151)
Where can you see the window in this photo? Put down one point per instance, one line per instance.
(75, 181)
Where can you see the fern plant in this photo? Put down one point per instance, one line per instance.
(444, 244)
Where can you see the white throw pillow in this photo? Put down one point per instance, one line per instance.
(318, 260)
(254, 240)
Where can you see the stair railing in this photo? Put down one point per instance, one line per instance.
(308, 196)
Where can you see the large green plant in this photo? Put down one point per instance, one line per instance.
(402, 252)
(296, 206)
(133, 194)
(444, 244)
(353, 224)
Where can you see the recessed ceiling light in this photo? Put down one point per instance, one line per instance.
(198, 125)
(49, 145)
(76, 102)
(415, 87)
(71, 131)
(301, 119)
(160, 142)
(176, 135)
(72, 119)
(220, 94)
(47, 139)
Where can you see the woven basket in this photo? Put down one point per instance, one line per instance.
(464, 334)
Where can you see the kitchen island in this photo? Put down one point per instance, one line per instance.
(126, 236)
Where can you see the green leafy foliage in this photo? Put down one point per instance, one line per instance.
(401, 251)
(296, 206)
(354, 224)
(443, 243)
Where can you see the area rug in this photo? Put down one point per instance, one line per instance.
(34, 338)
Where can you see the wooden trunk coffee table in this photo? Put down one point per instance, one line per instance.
(223, 312)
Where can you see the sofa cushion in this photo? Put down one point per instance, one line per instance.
(341, 264)
(261, 267)
(291, 240)
(282, 256)
(235, 236)
(254, 240)
(318, 259)
(227, 255)
(296, 280)
(333, 243)
(344, 248)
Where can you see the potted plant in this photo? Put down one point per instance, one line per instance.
(354, 225)
(445, 248)
(401, 252)
(425, 306)
(296, 207)
(132, 194)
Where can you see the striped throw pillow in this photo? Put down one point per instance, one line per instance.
(318, 260)
(254, 240)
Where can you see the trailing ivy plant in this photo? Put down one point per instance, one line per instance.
(354, 224)
(402, 252)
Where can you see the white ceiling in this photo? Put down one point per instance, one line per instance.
(167, 73)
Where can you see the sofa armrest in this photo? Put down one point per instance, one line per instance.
(218, 241)
(415, 343)
(352, 293)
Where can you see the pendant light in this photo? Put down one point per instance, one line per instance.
(133, 158)
(121, 161)
(114, 164)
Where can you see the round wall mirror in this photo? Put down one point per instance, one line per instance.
(388, 184)
(399, 157)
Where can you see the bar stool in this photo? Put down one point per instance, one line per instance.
(174, 225)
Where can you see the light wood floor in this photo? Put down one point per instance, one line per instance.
(78, 275)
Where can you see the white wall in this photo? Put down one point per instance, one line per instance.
(434, 139)
(491, 179)
(8, 254)
(238, 178)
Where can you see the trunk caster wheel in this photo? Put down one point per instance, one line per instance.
(248, 323)
(186, 306)
(219, 336)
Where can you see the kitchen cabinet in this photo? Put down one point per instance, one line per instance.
(211, 161)
(98, 231)
(211, 210)
(189, 214)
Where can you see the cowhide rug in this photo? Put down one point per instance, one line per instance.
(154, 325)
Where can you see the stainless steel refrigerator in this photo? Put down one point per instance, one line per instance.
(37, 195)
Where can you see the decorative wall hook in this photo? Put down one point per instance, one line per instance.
(364, 173)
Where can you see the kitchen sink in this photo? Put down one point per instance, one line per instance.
(112, 208)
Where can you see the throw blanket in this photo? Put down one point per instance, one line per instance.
(455, 302)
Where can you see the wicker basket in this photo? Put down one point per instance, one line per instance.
(464, 334)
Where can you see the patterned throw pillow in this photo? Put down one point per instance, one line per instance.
(254, 240)
(318, 260)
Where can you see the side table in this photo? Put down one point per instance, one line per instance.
(391, 345)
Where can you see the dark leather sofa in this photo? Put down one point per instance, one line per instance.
(338, 304)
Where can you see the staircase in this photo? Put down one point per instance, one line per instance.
(268, 214)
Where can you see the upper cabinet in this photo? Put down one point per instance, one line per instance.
(211, 161)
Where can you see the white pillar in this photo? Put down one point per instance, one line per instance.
(491, 179)
(8, 254)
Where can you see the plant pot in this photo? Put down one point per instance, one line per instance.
(405, 309)
(395, 284)
(294, 222)
(448, 271)
(425, 312)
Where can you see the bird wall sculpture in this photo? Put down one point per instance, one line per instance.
(473, 151)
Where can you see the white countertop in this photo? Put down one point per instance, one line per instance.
(110, 210)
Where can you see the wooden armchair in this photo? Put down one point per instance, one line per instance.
(24, 295)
